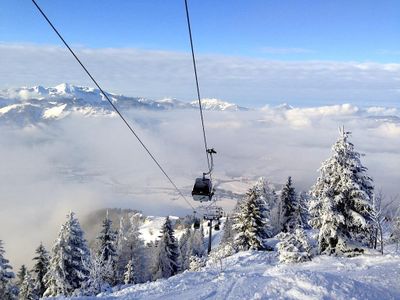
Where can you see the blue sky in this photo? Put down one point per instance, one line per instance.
(359, 30)
(254, 52)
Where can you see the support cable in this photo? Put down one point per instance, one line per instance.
(114, 107)
(197, 83)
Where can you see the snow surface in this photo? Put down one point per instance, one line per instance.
(150, 229)
(257, 275)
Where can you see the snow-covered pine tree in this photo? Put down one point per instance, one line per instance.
(130, 246)
(21, 275)
(185, 249)
(303, 209)
(27, 290)
(251, 223)
(290, 217)
(395, 230)
(129, 275)
(40, 269)
(294, 246)
(168, 256)
(107, 239)
(265, 198)
(7, 290)
(69, 262)
(100, 272)
(341, 207)
(107, 249)
(197, 244)
(273, 202)
(228, 233)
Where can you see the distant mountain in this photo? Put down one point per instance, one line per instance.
(39, 104)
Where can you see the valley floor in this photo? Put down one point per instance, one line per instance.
(257, 275)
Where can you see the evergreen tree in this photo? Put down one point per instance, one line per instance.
(342, 201)
(290, 217)
(294, 246)
(228, 233)
(99, 273)
(130, 246)
(107, 252)
(265, 198)
(185, 248)
(21, 275)
(107, 239)
(168, 256)
(252, 225)
(129, 275)
(7, 290)
(69, 262)
(196, 240)
(27, 288)
(303, 210)
(40, 269)
(395, 230)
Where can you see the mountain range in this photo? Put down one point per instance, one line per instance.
(39, 104)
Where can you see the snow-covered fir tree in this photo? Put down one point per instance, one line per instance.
(252, 225)
(341, 207)
(40, 269)
(69, 262)
(185, 248)
(198, 247)
(294, 246)
(168, 256)
(130, 246)
(303, 201)
(265, 200)
(107, 249)
(100, 272)
(27, 290)
(7, 289)
(290, 214)
(107, 239)
(21, 275)
(273, 202)
(395, 234)
(129, 275)
(228, 234)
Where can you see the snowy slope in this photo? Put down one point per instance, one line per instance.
(256, 275)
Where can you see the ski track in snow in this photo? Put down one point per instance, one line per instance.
(257, 275)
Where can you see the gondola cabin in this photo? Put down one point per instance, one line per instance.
(202, 190)
(196, 223)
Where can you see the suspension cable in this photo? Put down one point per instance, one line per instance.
(197, 82)
(114, 107)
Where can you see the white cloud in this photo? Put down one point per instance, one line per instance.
(246, 81)
(85, 163)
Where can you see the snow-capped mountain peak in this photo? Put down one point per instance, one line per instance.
(216, 104)
(27, 105)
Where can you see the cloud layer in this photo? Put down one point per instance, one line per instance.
(84, 163)
(247, 81)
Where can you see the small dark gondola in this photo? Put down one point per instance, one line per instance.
(196, 223)
(202, 190)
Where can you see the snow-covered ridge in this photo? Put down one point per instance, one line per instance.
(36, 104)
